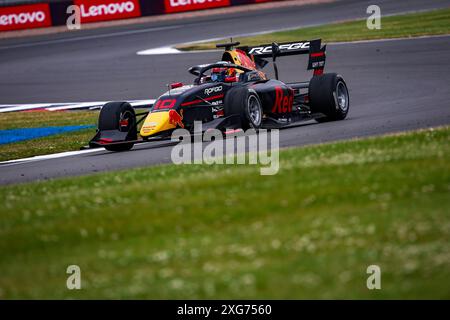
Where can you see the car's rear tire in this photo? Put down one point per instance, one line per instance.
(118, 116)
(246, 103)
(328, 94)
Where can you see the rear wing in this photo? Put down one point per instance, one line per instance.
(317, 55)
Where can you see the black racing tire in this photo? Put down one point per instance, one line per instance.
(110, 119)
(246, 103)
(328, 94)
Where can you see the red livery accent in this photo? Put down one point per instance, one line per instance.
(25, 17)
(232, 79)
(165, 104)
(105, 140)
(245, 60)
(318, 72)
(189, 5)
(283, 102)
(317, 54)
(102, 10)
(176, 118)
(176, 85)
(219, 96)
(230, 131)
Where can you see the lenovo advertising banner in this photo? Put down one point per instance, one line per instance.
(172, 6)
(239, 2)
(54, 13)
(25, 17)
(102, 10)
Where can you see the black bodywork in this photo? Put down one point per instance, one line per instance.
(282, 103)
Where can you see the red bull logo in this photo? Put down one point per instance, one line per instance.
(283, 102)
(176, 118)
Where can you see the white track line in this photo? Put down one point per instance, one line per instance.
(49, 156)
(81, 38)
(68, 106)
(158, 51)
(99, 104)
(23, 107)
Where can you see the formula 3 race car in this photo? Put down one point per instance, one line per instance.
(231, 94)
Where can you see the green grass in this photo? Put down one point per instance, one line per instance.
(14, 120)
(46, 145)
(408, 25)
(197, 231)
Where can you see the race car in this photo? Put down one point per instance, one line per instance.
(233, 93)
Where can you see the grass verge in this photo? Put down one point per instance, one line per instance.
(199, 231)
(408, 25)
(56, 143)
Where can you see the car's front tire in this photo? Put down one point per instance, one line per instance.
(328, 94)
(118, 116)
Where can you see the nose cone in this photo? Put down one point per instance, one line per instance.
(156, 122)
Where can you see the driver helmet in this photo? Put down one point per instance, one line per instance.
(221, 74)
(218, 74)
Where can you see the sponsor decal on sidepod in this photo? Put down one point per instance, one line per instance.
(208, 91)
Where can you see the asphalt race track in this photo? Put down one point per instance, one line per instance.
(101, 64)
(394, 85)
